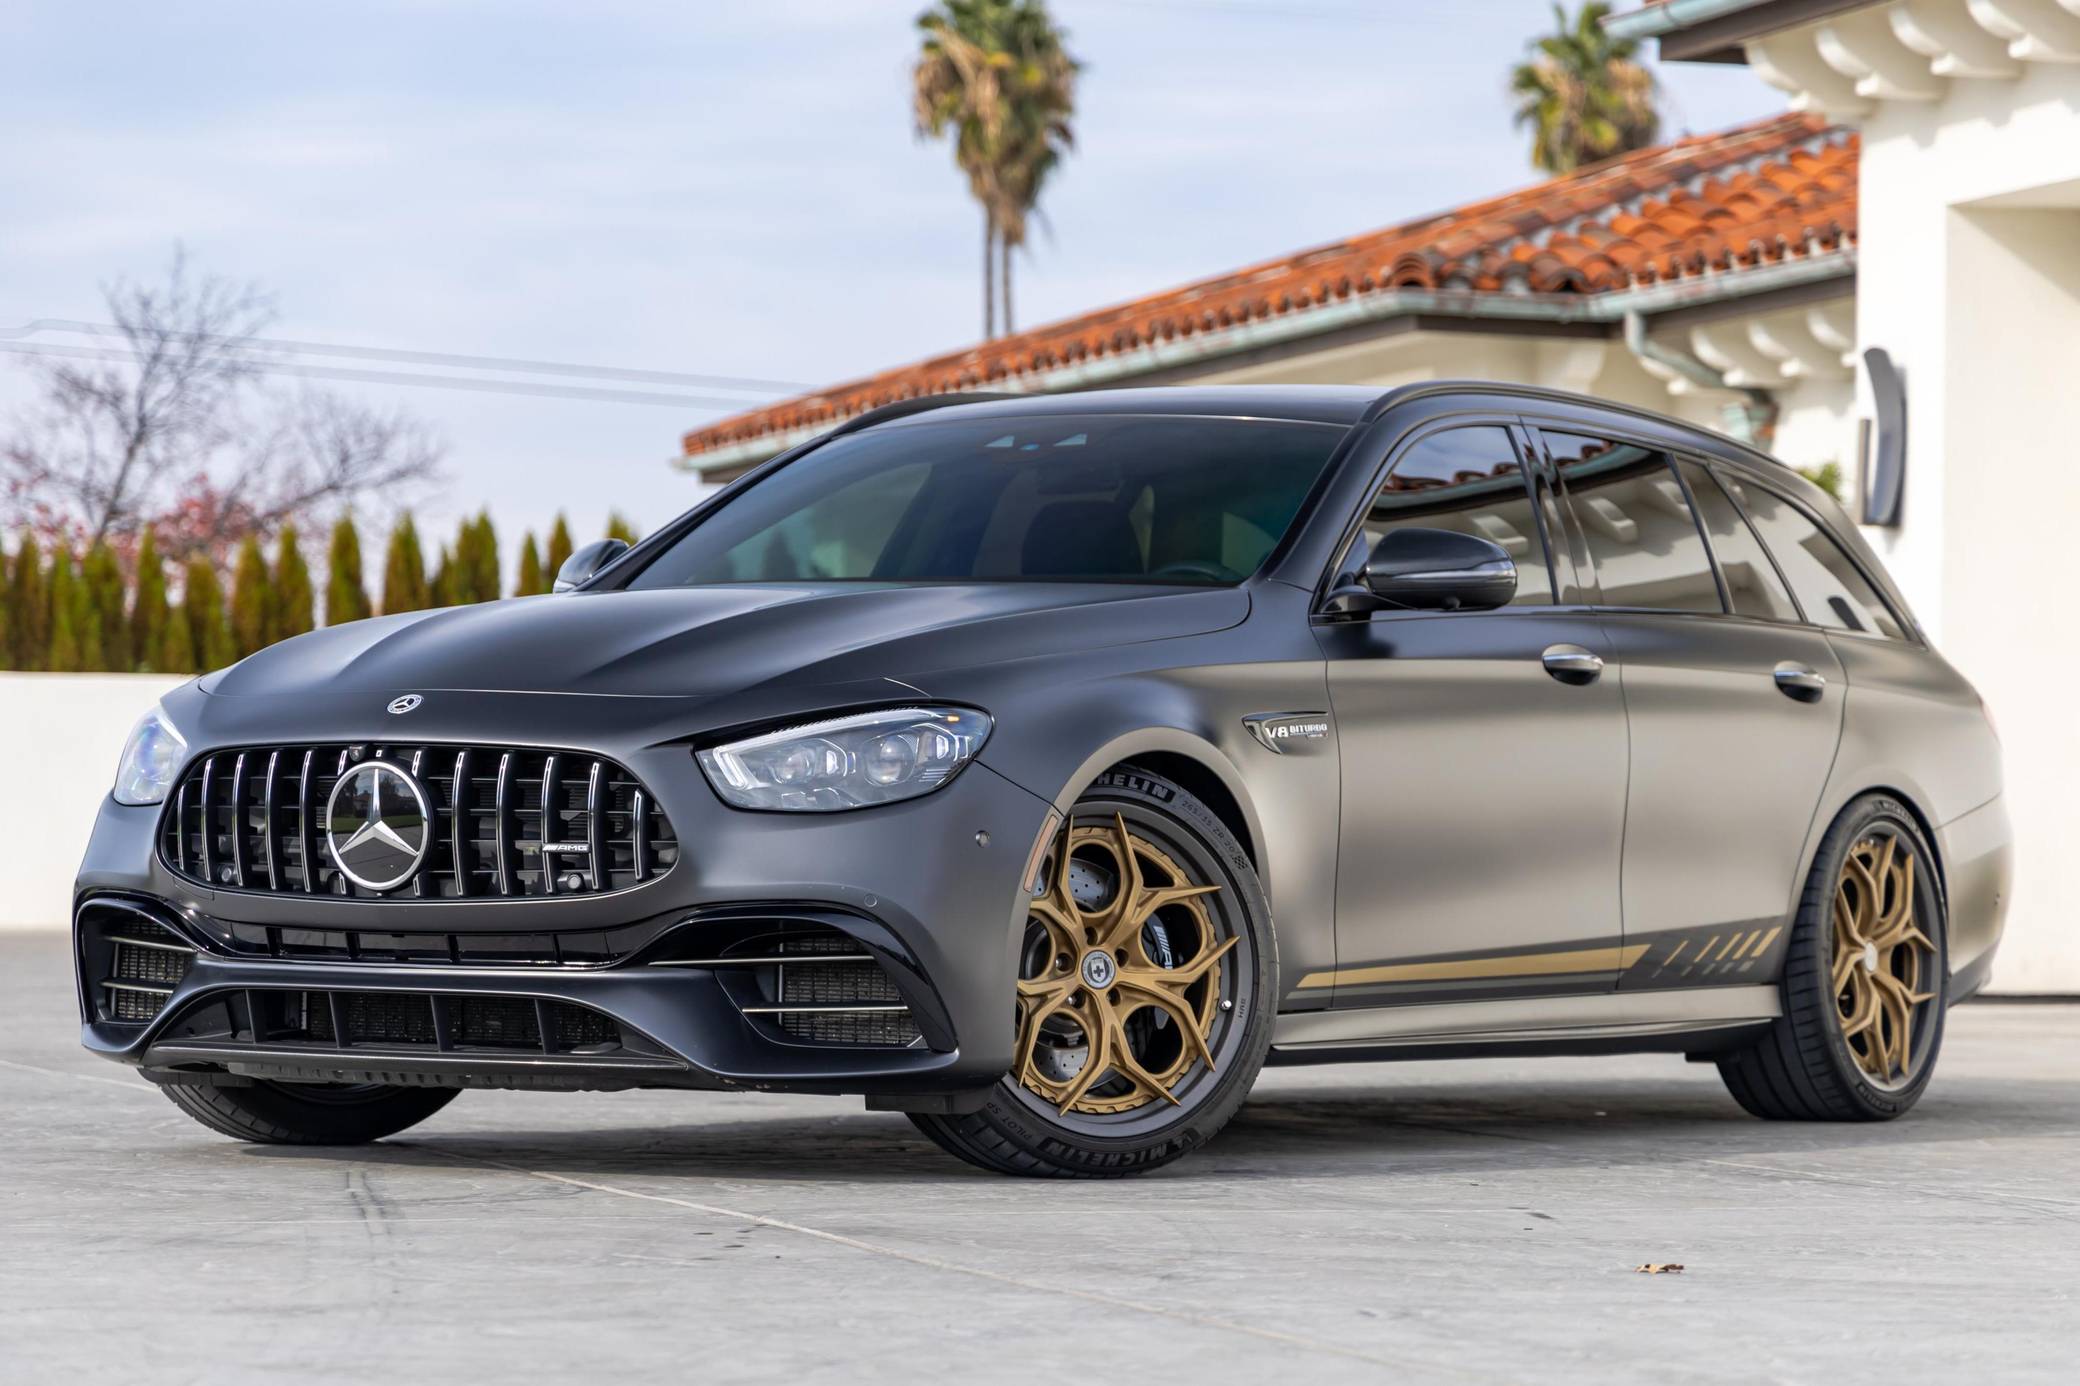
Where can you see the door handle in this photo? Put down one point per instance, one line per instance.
(1800, 682)
(1572, 664)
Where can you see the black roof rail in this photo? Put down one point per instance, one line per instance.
(1402, 394)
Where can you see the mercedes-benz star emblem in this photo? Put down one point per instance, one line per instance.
(377, 825)
(406, 703)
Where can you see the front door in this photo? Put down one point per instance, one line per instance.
(1735, 708)
(1483, 758)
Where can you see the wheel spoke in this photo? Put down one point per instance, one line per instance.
(1863, 1006)
(1045, 988)
(1899, 925)
(1868, 893)
(1845, 922)
(1129, 1063)
(1064, 925)
(1180, 1013)
(1097, 1061)
(1845, 959)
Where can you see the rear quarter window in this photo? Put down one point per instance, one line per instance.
(1828, 584)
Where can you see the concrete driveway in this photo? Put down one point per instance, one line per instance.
(1475, 1221)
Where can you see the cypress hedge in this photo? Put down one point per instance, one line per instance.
(81, 613)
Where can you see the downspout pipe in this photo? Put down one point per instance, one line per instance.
(1753, 422)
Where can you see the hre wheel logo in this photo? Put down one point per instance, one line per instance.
(377, 825)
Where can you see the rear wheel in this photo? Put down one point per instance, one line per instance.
(309, 1113)
(1863, 981)
(1145, 981)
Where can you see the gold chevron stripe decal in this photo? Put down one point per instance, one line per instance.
(1460, 969)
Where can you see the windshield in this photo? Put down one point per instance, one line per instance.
(1079, 499)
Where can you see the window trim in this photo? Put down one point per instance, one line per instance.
(1910, 633)
(1354, 526)
(1740, 513)
(1668, 455)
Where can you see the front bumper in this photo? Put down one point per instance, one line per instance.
(931, 889)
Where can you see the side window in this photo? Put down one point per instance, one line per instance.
(1467, 480)
(1639, 527)
(1752, 584)
(1829, 586)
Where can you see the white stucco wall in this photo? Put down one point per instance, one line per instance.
(67, 731)
(1970, 278)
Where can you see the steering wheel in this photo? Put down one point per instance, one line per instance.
(1197, 567)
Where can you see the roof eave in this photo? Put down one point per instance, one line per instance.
(1604, 309)
(1715, 30)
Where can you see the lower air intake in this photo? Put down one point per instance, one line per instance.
(137, 963)
(815, 986)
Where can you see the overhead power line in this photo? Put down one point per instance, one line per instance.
(537, 389)
(519, 365)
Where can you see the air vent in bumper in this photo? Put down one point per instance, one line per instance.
(816, 987)
(280, 1021)
(507, 821)
(133, 964)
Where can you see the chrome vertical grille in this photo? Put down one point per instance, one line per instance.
(506, 821)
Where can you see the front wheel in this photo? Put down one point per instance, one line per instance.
(1147, 978)
(309, 1113)
(1863, 980)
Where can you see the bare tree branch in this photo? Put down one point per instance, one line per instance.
(184, 438)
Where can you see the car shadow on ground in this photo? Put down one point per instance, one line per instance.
(1316, 1134)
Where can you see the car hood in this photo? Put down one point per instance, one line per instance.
(708, 641)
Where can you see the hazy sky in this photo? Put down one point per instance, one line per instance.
(715, 187)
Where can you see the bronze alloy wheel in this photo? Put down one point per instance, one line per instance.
(1864, 979)
(1883, 974)
(1145, 988)
(1120, 981)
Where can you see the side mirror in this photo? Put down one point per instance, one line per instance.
(1432, 570)
(581, 566)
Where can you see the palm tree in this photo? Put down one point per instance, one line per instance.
(1583, 94)
(995, 75)
(1041, 90)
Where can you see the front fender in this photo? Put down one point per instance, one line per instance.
(1185, 701)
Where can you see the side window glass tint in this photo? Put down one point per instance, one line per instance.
(1829, 586)
(1638, 525)
(1467, 480)
(1752, 583)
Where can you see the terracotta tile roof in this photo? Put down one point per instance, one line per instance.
(1775, 190)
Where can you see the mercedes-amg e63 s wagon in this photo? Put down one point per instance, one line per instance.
(1044, 767)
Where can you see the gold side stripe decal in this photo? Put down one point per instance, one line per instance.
(1767, 940)
(1515, 965)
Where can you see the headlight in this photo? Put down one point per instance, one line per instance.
(154, 753)
(847, 762)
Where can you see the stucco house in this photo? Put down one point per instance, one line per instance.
(1921, 198)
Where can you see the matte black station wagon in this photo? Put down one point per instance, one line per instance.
(1043, 767)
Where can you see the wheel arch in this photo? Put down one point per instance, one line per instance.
(1197, 766)
(1909, 800)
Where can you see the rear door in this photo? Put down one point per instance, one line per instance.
(1483, 765)
(1733, 705)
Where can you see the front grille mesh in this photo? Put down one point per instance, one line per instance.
(823, 987)
(146, 961)
(405, 1021)
(255, 820)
